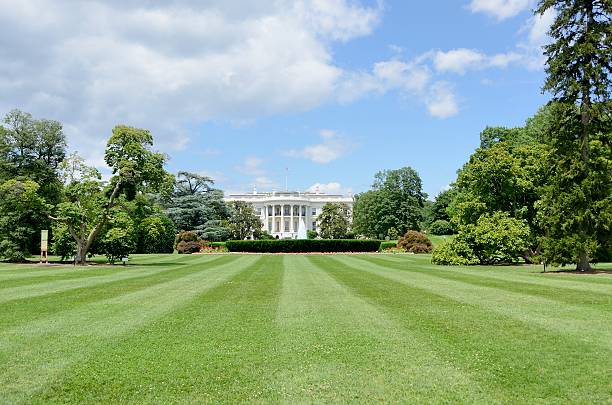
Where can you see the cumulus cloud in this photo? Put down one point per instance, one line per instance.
(537, 28)
(161, 65)
(442, 102)
(462, 59)
(251, 166)
(329, 188)
(331, 147)
(500, 9)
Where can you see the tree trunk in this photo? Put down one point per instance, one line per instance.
(583, 262)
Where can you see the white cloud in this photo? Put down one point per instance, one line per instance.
(265, 183)
(329, 188)
(332, 147)
(537, 28)
(441, 102)
(500, 9)
(462, 59)
(162, 65)
(251, 166)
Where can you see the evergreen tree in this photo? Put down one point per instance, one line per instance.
(576, 207)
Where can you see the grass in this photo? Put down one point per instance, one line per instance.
(302, 328)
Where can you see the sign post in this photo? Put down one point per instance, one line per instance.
(44, 244)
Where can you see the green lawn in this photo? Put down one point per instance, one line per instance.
(296, 328)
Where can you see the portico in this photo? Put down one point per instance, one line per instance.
(281, 212)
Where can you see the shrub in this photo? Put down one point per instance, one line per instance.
(303, 245)
(63, 244)
(312, 234)
(187, 242)
(119, 241)
(392, 233)
(415, 242)
(454, 253)
(441, 227)
(387, 245)
(156, 234)
(494, 239)
(188, 247)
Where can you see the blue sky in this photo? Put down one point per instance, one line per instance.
(333, 90)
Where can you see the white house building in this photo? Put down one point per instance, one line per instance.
(282, 211)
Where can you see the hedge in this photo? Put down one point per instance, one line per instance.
(303, 245)
(387, 245)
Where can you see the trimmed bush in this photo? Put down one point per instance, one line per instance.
(387, 245)
(303, 245)
(441, 227)
(187, 242)
(415, 242)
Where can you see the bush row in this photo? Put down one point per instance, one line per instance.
(303, 245)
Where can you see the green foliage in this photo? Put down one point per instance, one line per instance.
(196, 205)
(63, 244)
(441, 227)
(310, 234)
(263, 235)
(334, 221)
(89, 203)
(495, 239)
(303, 245)
(32, 149)
(243, 222)
(576, 208)
(393, 234)
(384, 245)
(21, 211)
(156, 235)
(415, 242)
(120, 238)
(456, 252)
(395, 201)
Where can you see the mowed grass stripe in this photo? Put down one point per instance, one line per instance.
(565, 294)
(94, 278)
(28, 309)
(218, 347)
(552, 314)
(496, 349)
(32, 354)
(601, 284)
(336, 346)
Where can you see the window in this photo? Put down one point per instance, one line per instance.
(314, 225)
(314, 211)
(303, 210)
(286, 210)
(295, 225)
(296, 210)
(258, 211)
(286, 225)
(269, 225)
(277, 226)
(269, 210)
(277, 210)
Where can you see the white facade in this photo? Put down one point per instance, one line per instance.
(281, 212)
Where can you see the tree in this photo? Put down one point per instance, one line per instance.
(120, 239)
(32, 149)
(21, 210)
(243, 221)
(334, 221)
(90, 202)
(396, 200)
(577, 203)
(505, 178)
(195, 203)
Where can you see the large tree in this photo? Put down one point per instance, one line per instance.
(90, 203)
(195, 204)
(243, 222)
(577, 203)
(395, 201)
(334, 221)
